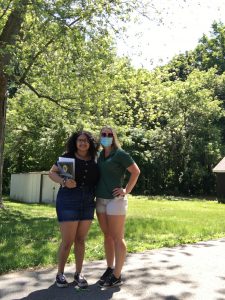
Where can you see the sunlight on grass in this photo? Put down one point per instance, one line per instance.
(158, 222)
(29, 234)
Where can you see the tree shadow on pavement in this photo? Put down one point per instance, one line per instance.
(70, 293)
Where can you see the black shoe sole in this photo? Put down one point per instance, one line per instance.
(112, 286)
(101, 282)
(77, 287)
(80, 286)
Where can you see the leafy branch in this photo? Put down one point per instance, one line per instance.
(39, 95)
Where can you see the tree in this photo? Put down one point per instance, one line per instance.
(174, 131)
(180, 66)
(8, 35)
(210, 51)
(33, 33)
(36, 131)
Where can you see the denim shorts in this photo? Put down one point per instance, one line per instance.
(116, 206)
(76, 204)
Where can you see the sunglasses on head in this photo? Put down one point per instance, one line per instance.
(104, 134)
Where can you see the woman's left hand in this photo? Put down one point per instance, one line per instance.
(119, 192)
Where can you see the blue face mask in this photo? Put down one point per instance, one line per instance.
(106, 141)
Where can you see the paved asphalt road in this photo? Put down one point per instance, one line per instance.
(194, 272)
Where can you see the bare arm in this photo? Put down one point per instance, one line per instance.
(54, 176)
(134, 174)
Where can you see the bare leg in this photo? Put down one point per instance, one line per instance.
(68, 232)
(116, 231)
(79, 243)
(108, 241)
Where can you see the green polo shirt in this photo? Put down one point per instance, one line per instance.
(112, 171)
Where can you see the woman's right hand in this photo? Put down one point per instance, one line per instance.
(70, 183)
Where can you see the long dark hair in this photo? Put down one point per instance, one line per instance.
(71, 144)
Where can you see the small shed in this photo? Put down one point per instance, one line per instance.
(219, 169)
(33, 187)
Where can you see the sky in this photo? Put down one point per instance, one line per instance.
(151, 42)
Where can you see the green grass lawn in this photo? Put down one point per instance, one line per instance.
(29, 235)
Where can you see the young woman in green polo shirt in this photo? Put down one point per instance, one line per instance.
(111, 203)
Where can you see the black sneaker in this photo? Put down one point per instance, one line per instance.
(61, 280)
(104, 276)
(80, 280)
(112, 281)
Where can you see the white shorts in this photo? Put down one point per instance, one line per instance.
(116, 206)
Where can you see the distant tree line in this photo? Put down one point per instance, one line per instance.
(170, 119)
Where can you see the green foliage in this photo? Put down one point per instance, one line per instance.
(180, 66)
(61, 77)
(35, 134)
(210, 51)
(180, 142)
(171, 120)
(37, 129)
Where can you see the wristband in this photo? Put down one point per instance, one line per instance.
(64, 182)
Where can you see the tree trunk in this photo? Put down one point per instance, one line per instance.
(8, 37)
(3, 100)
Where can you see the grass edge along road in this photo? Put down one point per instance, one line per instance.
(29, 235)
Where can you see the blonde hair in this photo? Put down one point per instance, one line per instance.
(116, 143)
